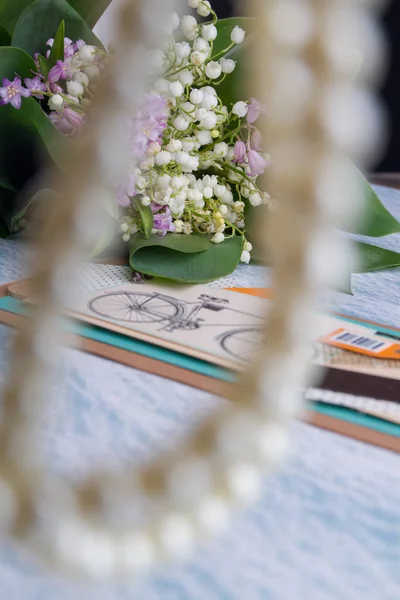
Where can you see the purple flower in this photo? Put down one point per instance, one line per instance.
(50, 42)
(74, 118)
(35, 85)
(257, 163)
(163, 222)
(255, 109)
(56, 89)
(69, 48)
(12, 91)
(59, 71)
(239, 152)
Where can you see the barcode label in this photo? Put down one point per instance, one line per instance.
(363, 343)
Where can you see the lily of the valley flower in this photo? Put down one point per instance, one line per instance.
(12, 92)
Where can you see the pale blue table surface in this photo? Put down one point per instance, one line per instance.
(327, 526)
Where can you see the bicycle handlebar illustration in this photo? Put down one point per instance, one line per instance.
(241, 343)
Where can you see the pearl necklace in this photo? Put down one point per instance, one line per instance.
(303, 50)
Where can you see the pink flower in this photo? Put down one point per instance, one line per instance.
(123, 198)
(255, 109)
(12, 91)
(256, 140)
(73, 117)
(35, 85)
(240, 152)
(61, 123)
(257, 163)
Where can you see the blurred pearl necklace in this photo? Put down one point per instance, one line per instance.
(303, 51)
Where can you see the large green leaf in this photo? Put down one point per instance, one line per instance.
(15, 61)
(189, 259)
(376, 220)
(10, 12)
(40, 21)
(373, 258)
(5, 38)
(90, 10)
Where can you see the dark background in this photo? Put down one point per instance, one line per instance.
(390, 92)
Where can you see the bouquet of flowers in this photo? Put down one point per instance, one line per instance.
(195, 177)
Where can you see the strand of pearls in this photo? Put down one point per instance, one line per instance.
(191, 493)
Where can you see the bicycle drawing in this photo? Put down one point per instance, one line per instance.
(240, 342)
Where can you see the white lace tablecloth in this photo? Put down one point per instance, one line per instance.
(327, 526)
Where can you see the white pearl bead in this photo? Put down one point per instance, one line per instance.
(339, 192)
(237, 435)
(176, 535)
(353, 43)
(188, 480)
(329, 260)
(351, 116)
(291, 92)
(136, 553)
(273, 444)
(213, 515)
(244, 482)
(291, 23)
(85, 550)
(92, 220)
(8, 505)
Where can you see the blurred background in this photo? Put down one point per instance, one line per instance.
(390, 91)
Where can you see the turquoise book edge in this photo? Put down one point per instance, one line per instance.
(205, 368)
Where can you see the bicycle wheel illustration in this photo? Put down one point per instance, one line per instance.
(244, 344)
(137, 307)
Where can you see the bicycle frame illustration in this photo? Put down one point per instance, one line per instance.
(242, 342)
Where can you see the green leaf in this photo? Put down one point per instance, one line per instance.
(225, 27)
(237, 85)
(44, 64)
(373, 258)
(40, 21)
(146, 215)
(189, 259)
(57, 50)
(14, 60)
(5, 37)
(90, 10)
(376, 220)
(10, 12)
